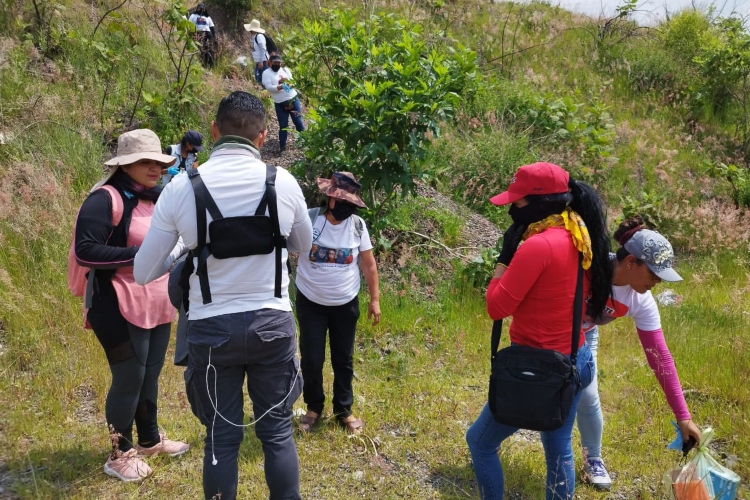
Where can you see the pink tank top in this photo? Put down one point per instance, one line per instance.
(144, 306)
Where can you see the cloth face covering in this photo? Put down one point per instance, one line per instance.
(534, 211)
(342, 211)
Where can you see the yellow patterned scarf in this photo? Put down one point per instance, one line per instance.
(575, 226)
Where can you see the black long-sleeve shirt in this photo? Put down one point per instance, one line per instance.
(94, 229)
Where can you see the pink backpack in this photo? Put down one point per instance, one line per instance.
(76, 272)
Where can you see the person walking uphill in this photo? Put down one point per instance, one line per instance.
(285, 99)
(131, 322)
(328, 298)
(260, 50)
(560, 221)
(240, 320)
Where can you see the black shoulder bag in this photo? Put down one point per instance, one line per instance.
(532, 388)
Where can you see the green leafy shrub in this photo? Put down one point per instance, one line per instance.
(682, 34)
(737, 177)
(478, 272)
(648, 204)
(381, 90)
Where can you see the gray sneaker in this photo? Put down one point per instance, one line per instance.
(596, 473)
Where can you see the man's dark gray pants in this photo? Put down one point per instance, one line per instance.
(260, 345)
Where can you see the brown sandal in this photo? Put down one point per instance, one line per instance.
(352, 424)
(307, 422)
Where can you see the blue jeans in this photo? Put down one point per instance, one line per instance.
(261, 346)
(259, 72)
(283, 116)
(485, 436)
(590, 418)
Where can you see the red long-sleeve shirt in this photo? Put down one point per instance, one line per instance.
(538, 289)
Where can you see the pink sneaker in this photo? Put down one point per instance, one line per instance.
(171, 448)
(127, 466)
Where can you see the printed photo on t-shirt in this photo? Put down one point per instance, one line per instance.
(323, 255)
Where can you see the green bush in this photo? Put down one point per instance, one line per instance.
(682, 34)
(380, 91)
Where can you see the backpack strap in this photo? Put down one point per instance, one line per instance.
(278, 240)
(118, 210)
(117, 204)
(203, 202)
(313, 214)
(359, 225)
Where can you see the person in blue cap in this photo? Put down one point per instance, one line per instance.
(186, 153)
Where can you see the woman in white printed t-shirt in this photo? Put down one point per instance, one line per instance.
(643, 260)
(328, 283)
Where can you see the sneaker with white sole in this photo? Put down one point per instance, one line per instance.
(127, 466)
(596, 473)
(167, 446)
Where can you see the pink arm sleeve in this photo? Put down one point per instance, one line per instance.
(662, 364)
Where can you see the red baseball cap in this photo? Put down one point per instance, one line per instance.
(534, 179)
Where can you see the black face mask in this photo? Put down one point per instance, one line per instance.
(342, 210)
(276, 67)
(533, 212)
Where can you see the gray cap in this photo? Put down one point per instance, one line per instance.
(653, 249)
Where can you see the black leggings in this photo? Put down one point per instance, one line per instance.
(136, 357)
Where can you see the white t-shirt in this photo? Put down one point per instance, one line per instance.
(329, 273)
(627, 302)
(236, 180)
(271, 82)
(202, 23)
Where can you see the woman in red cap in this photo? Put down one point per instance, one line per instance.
(328, 298)
(557, 218)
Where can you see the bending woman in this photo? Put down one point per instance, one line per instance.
(131, 322)
(556, 217)
(643, 260)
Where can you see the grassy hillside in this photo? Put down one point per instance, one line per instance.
(551, 85)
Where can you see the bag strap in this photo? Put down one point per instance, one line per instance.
(577, 307)
(118, 210)
(278, 240)
(203, 202)
(497, 326)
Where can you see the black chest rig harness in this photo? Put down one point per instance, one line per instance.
(243, 236)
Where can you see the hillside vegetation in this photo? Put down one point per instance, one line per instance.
(657, 119)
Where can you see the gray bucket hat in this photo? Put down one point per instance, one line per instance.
(656, 251)
(133, 146)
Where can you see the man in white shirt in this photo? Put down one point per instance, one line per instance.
(205, 32)
(260, 51)
(246, 329)
(285, 99)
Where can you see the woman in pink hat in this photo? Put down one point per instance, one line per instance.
(559, 220)
(328, 298)
(131, 322)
